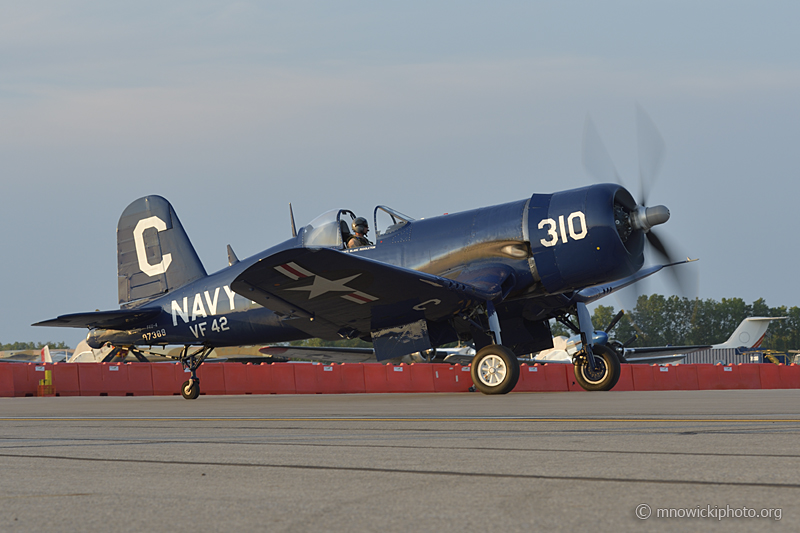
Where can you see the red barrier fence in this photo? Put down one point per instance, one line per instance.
(6, 380)
(543, 378)
(450, 378)
(147, 379)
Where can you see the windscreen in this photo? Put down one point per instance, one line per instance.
(323, 231)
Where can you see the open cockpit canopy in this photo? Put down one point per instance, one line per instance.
(332, 229)
(390, 219)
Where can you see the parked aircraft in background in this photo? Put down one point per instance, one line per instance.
(492, 276)
(336, 354)
(42, 355)
(749, 334)
(86, 354)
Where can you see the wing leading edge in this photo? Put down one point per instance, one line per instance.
(334, 295)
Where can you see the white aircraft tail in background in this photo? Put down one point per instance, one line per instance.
(750, 333)
(46, 357)
(85, 354)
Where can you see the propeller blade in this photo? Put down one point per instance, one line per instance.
(598, 163)
(614, 320)
(678, 275)
(651, 152)
(630, 341)
(659, 247)
(596, 160)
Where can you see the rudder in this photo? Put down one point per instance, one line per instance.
(154, 254)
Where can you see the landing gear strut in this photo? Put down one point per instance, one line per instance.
(495, 368)
(596, 366)
(192, 361)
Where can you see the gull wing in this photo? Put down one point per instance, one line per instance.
(332, 294)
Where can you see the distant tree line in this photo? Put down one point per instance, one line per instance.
(660, 321)
(33, 345)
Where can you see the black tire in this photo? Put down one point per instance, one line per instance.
(607, 374)
(495, 370)
(190, 389)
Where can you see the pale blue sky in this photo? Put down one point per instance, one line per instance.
(232, 110)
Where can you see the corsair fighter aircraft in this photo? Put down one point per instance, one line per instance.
(492, 276)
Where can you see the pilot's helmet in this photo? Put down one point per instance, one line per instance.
(360, 225)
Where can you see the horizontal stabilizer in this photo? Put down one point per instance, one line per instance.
(118, 319)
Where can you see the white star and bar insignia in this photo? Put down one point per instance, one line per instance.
(322, 285)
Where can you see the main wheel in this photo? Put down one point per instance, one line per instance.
(605, 376)
(190, 389)
(495, 370)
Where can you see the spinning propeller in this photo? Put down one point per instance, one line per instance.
(598, 163)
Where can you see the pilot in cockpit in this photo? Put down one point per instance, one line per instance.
(360, 228)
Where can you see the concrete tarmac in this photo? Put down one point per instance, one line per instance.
(402, 462)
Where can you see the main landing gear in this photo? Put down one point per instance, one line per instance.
(605, 373)
(495, 370)
(192, 361)
(596, 366)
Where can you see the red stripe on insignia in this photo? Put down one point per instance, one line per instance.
(293, 271)
(358, 296)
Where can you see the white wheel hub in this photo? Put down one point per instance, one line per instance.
(492, 370)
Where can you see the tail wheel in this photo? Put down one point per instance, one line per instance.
(495, 370)
(605, 376)
(190, 389)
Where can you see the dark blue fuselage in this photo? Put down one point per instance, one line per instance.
(553, 244)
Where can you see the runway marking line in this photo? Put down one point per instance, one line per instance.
(370, 419)
(374, 470)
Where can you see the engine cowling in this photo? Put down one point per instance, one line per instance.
(583, 237)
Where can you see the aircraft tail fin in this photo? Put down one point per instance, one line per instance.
(749, 334)
(86, 354)
(46, 358)
(154, 254)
